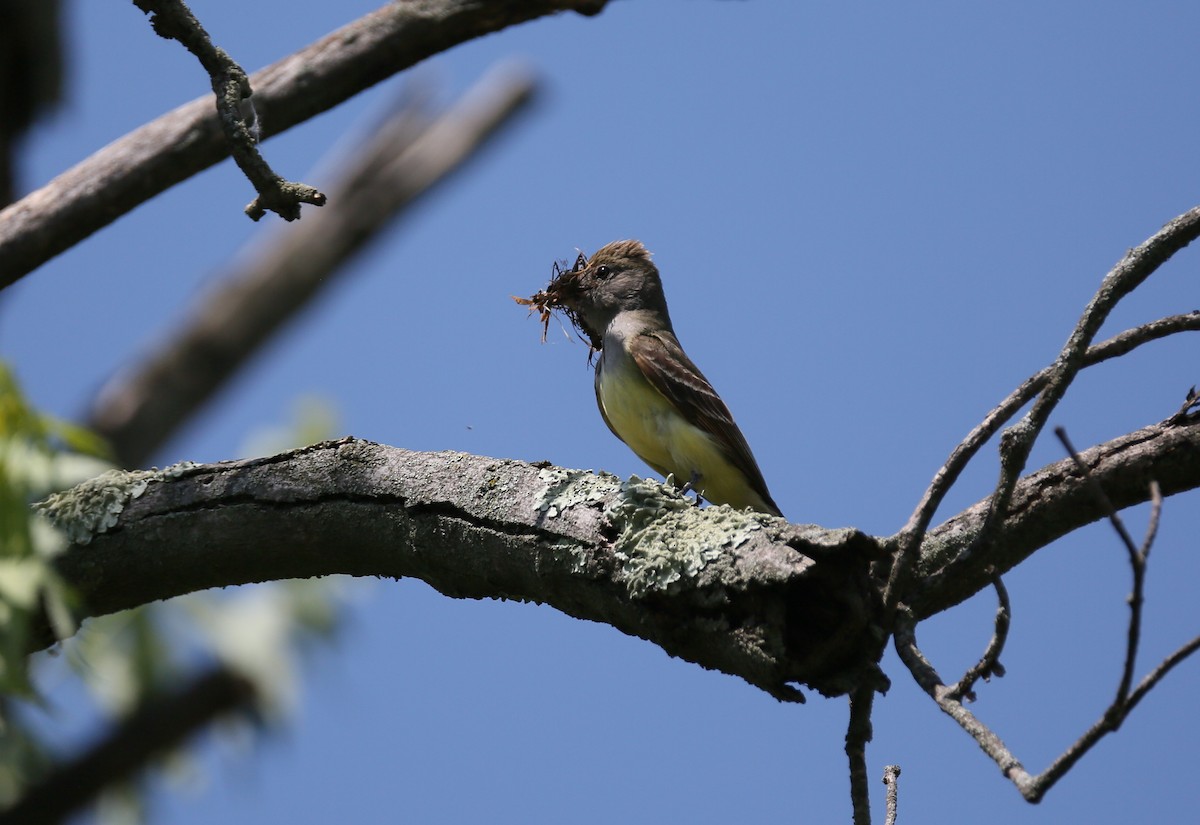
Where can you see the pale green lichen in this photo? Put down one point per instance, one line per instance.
(666, 540)
(92, 507)
(566, 488)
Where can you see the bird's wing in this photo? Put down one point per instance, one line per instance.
(666, 366)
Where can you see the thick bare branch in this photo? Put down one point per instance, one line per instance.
(750, 595)
(1050, 503)
(410, 153)
(188, 140)
(777, 604)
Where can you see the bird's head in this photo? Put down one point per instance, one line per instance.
(619, 277)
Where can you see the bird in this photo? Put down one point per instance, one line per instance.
(650, 393)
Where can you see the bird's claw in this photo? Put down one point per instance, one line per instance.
(691, 487)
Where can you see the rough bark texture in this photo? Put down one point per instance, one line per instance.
(1052, 502)
(775, 603)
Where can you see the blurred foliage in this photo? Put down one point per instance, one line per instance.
(122, 659)
(38, 455)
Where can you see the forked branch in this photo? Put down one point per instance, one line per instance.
(949, 699)
(1120, 344)
(1050, 385)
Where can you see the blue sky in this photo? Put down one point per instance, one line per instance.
(873, 221)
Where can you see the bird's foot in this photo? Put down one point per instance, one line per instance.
(692, 487)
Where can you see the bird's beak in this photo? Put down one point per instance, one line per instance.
(565, 290)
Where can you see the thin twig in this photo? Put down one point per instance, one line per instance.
(1097, 491)
(183, 142)
(1190, 405)
(988, 664)
(1120, 344)
(1017, 442)
(1156, 504)
(891, 778)
(1048, 504)
(173, 20)
(927, 678)
(1137, 560)
(410, 152)
(1138, 556)
(1032, 787)
(1164, 667)
(858, 734)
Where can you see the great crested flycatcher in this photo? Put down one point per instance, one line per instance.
(649, 392)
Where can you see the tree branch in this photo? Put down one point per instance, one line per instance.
(858, 733)
(929, 680)
(408, 154)
(774, 603)
(188, 140)
(1050, 503)
(891, 778)
(1017, 442)
(159, 724)
(1034, 787)
(173, 20)
(749, 595)
(1137, 557)
(1120, 344)
(989, 663)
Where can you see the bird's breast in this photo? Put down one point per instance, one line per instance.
(651, 425)
(641, 416)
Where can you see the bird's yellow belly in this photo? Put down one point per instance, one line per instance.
(645, 420)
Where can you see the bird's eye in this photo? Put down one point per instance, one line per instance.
(603, 271)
